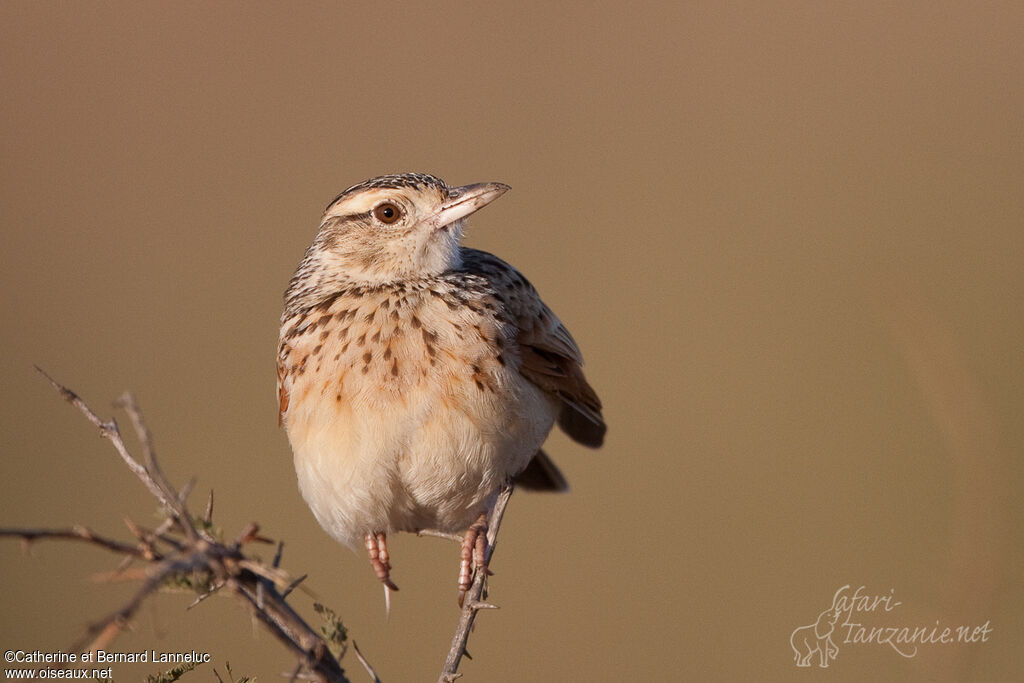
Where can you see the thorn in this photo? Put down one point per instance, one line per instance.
(208, 517)
(480, 604)
(134, 528)
(248, 531)
(293, 585)
(365, 663)
(250, 534)
(387, 603)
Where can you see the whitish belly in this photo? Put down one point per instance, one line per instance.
(431, 457)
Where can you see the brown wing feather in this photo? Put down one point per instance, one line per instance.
(549, 355)
(560, 374)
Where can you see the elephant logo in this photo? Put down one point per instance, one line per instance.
(816, 638)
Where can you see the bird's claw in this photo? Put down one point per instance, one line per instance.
(473, 555)
(377, 550)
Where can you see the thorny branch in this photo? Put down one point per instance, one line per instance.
(180, 551)
(475, 599)
(109, 430)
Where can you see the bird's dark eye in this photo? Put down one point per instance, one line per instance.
(387, 213)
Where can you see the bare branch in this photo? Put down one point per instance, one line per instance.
(174, 500)
(128, 403)
(109, 430)
(106, 630)
(77, 533)
(281, 620)
(177, 553)
(473, 602)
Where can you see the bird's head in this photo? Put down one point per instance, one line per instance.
(397, 227)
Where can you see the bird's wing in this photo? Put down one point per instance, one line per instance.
(549, 355)
(551, 360)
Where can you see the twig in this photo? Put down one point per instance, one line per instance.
(366, 664)
(474, 602)
(175, 500)
(109, 431)
(77, 533)
(106, 630)
(190, 556)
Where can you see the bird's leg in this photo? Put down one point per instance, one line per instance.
(473, 555)
(377, 550)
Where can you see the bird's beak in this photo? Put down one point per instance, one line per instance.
(464, 200)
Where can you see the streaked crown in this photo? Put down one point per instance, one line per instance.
(388, 229)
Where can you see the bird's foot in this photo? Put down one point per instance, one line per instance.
(377, 550)
(473, 555)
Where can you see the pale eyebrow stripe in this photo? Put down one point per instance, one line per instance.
(350, 216)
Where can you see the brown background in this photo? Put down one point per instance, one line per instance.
(788, 237)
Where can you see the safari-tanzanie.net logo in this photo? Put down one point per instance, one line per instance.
(857, 618)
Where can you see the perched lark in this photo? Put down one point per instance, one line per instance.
(417, 377)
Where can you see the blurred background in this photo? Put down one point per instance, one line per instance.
(787, 236)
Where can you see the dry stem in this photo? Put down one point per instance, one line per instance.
(474, 599)
(178, 550)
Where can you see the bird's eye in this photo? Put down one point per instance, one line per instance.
(387, 213)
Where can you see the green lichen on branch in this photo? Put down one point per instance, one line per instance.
(333, 629)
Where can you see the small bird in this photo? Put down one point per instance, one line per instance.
(417, 377)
